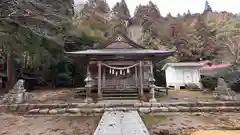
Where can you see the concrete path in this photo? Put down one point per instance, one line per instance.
(121, 123)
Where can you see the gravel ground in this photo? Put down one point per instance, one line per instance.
(64, 125)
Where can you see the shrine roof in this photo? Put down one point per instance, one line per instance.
(120, 52)
(120, 39)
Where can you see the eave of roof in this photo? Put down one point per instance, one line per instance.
(182, 64)
(119, 52)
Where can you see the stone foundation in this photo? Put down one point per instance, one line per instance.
(84, 109)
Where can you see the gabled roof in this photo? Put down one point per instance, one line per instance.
(120, 38)
(182, 64)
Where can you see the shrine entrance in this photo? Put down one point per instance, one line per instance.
(122, 77)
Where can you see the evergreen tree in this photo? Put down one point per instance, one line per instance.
(121, 10)
(169, 15)
(208, 8)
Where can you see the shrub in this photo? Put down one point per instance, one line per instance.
(233, 80)
(63, 79)
(209, 82)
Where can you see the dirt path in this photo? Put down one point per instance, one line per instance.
(64, 125)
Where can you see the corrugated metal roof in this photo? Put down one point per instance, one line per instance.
(182, 64)
(219, 66)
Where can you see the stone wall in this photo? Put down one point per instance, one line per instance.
(84, 109)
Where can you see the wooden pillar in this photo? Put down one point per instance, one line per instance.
(141, 78)
(104, 77)
(99, 79)
(136, 76)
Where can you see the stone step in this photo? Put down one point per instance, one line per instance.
(120, 91)
(120, 94)
(120, 98)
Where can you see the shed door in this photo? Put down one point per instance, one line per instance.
(187, 77)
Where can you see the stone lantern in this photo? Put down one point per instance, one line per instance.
(151, 81)
(88, 80)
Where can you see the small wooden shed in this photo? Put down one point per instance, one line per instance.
(180, 75)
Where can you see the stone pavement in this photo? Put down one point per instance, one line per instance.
(121, 123)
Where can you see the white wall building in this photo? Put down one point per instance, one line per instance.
(181, 74)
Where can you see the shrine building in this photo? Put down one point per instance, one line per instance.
(119, 68)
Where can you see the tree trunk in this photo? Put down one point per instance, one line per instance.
(10, 77)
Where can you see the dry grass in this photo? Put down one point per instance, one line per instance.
(151, 120)
(186, 95)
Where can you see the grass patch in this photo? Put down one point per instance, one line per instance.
(191, 94)
(151, 120)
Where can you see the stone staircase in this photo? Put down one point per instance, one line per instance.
(116, 94)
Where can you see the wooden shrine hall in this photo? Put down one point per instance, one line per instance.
(119, 68)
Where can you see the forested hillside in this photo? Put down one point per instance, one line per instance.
(34, 34)
(204, 36)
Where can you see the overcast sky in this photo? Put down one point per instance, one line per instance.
(181, 6)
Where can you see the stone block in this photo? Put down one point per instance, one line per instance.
(80, 105)
(33, 111)
(106, 105)
(228, 109)
(163, 109)
(63, 105)
(156, 104)
(22, 107)
(73, 110)
(155, 110)
(145, 110)
(32, 106)
(137, 105)
(108, 109)
(61, 110)
(146, 104)
(206, 109)
(44, 111)
(194, 109)
(87, 111)
(183, 109)
(53, 111)
(173, 109)
(100, 105)
(98, 110)
(13, 107)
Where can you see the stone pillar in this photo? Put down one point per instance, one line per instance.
(151, 81)
(88, 86)
(152, 88)
(99, 80)
(141, 78)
